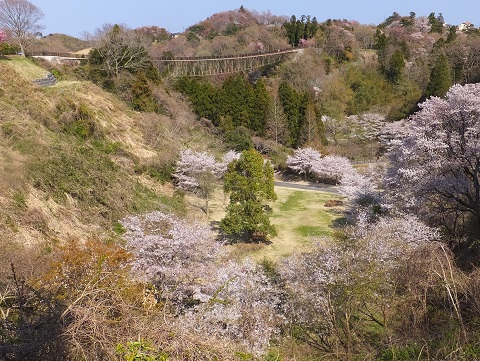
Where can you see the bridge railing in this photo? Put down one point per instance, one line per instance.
(60, 55)
(220, 57)
(175, 58)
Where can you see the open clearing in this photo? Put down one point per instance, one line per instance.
(298, 215)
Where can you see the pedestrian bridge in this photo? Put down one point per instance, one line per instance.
(190, 66)
(204, 66)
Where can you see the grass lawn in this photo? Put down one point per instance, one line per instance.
(26, 67)
(297, 214)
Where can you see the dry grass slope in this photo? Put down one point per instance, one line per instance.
(70, 156)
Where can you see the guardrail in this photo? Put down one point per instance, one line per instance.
(60, 55)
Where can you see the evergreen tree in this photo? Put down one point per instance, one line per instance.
(203, 96)
(381, 40)
(259, 104)
(142, 95)
(249, 182)
(238, 139)
(290, 28)
(234, 99)
(436, 23)
(303, 28)
(452, 34)
(395, 67)
(294, 106)
(440, 78)
(313, 28)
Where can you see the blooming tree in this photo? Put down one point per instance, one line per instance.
(240, 304)
(303, 159)
(436, 168)
(227, 158)
(171, 253)
(191, 166)
(343, 292)
(332, 168)
(334, 128)
(210, 294)
(362, 195)
(196, 171)
(365, 127)
(3, 36)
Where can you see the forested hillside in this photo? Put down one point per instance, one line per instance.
(140, 218)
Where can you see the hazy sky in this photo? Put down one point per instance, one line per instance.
(74, 17)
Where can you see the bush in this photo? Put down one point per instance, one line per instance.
(158, 171)
(8, 49)
(77, 119)
(238, 139)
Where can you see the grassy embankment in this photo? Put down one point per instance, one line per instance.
(69, 155)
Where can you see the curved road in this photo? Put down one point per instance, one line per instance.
(308, 187)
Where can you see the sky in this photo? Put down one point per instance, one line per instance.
(76, 17)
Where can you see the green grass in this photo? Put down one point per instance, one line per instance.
(312, 231)
(299, 216)
(295, 201)
(26, 68)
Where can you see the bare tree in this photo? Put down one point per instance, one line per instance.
(276, 121)
(21, 18)
(118, 48)
(309, 131)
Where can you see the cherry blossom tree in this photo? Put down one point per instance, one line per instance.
(227, 158)
(436, 168)
(170, 253)
(3, 36)
(332, 168)
(303, 159)
(208, 293)
(197, 172)
(239, 303)
(334, 128)
(366, 126)
(343, 292)
(362, 196)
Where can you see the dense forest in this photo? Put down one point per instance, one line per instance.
(141, 219)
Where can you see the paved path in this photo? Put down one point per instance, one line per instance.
(309, 187)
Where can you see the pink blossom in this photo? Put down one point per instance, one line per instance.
(332, 168)
(303, 160)
(439, 159)
(191, 166)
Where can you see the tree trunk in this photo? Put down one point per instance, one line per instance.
(22, 49)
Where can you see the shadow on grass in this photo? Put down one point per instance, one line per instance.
(238, 238)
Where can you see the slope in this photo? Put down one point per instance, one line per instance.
(73, 157)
